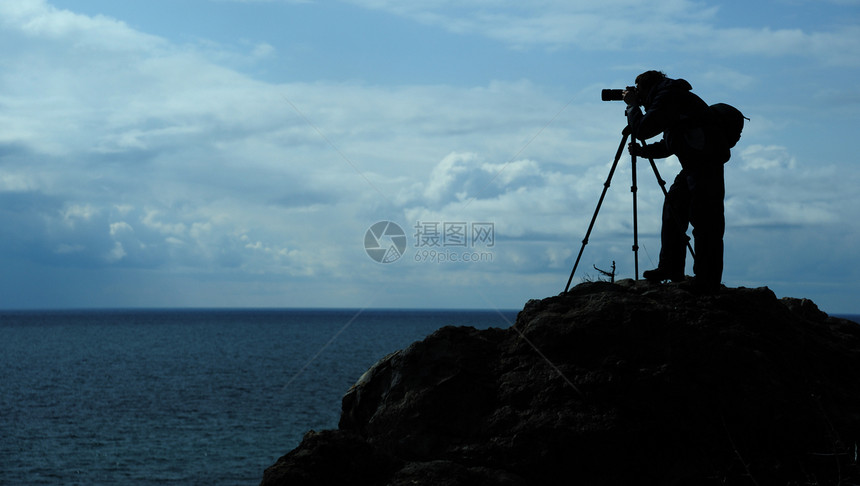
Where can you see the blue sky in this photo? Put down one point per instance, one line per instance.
(235, 153)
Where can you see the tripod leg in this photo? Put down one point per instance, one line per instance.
(662, 184)
(597, 209)
(634, 190)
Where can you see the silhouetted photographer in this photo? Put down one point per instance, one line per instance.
(697, 193)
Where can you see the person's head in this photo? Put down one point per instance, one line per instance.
(646, 81)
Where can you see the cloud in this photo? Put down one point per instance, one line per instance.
(266, 1)
(832, 48)
(625, 24)
(759, 157)
(761, 177)
(38, 19)
(735, 80)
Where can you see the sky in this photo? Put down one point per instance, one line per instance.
(241, 153)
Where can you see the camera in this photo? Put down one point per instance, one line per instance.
(615, 94)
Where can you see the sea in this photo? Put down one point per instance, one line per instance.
(184, 397)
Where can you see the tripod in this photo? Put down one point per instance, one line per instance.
(634, 190)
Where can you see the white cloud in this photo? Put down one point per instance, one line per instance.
(120, 227)
(38, 19)
(266, 1)
(443, 183)
(759, 157)
(832, 48)
(78, 212)
(116, 253)
(263, 50)
(735, 80)
(626, 24)
(67, 249)
(17, 182)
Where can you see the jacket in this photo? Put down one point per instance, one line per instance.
(673, 109)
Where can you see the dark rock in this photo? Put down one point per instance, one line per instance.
(332, 457)
(609, 384)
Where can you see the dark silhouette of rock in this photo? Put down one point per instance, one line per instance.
(610, 384)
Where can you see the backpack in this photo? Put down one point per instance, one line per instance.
(726, 124)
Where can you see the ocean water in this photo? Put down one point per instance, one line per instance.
(850, 317)
(184, 397)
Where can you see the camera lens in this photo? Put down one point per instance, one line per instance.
(612, 95)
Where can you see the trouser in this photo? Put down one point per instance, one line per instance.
(695, 197)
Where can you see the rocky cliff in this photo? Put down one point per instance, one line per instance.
(609, 384)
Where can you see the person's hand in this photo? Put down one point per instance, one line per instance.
(634, 148)
(630, 96)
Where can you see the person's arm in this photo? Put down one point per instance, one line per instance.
(657, 150)
(651, 123)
